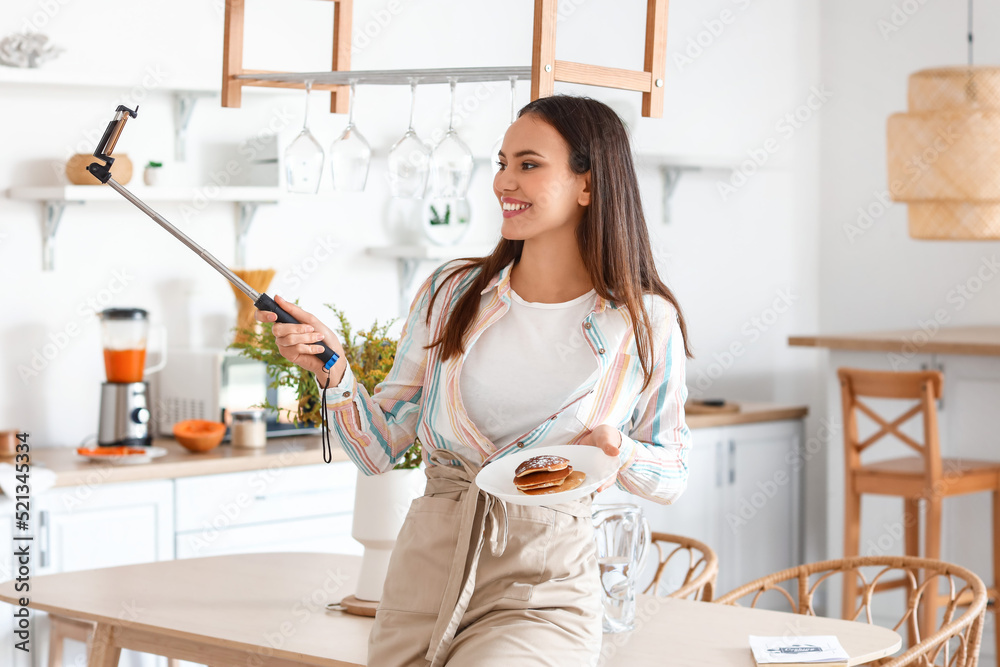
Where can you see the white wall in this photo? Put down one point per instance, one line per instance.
(873, 275)
(729, 258)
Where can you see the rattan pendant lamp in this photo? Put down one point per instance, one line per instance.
(944, 152)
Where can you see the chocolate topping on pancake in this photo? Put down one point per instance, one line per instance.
(541, 462)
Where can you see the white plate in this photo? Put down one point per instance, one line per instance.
(497, 477)
(149, 455)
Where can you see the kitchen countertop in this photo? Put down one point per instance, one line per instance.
(748, 413)
(72, 470)
(977, 340)
(282, 452)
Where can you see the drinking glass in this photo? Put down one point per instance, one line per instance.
(304, 158)
(409, 159)
(498, 144)
(622, 536)
(350, 154)
(451, 160)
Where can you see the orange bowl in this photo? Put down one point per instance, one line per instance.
(199, 435)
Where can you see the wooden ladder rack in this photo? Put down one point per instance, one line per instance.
(545, 69)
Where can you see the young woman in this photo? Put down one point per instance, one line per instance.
(564, 334)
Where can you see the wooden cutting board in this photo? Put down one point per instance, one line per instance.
(699, 408)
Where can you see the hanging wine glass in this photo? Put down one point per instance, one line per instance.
(513, 116)
(350, 154)
(409, 159)
(451, 160)
(304, 158)
(447, 216)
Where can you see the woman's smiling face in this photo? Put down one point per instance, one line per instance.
(535, 185)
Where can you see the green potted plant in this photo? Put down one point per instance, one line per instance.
(151, 175)
(446, 220)
(370, 352)
(381, 502)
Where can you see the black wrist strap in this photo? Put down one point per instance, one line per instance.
(325, 428)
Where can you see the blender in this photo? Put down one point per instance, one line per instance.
(125, 412)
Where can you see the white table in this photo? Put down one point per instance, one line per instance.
(270, 609)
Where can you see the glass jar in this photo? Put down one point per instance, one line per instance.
(248, 429)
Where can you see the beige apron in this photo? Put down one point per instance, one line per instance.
(532, 596)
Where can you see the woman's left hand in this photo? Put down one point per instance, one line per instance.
(608, 439)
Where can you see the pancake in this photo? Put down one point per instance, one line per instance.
(573, 480)
(541, 462)
(542, 478)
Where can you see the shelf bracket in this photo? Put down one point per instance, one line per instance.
(183, 107)
(406, 269)
(246, 210)
(670, 175)
(50, 225)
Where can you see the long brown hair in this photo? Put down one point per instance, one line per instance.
(612, 235)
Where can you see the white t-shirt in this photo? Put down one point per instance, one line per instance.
(521, 369)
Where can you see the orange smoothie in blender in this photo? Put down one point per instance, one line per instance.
(124, 365)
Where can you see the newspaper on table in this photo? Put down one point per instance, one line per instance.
(793, 650)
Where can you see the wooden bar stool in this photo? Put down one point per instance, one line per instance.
(926, 477)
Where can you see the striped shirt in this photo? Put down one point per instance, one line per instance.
(420, 395)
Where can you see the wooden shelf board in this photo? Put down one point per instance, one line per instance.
(981, 340)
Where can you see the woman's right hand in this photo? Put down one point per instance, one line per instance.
(298, 342)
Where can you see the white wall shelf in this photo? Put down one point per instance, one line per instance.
(54, 200)
(408, 257)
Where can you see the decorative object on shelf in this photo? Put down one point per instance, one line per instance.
(409, 159)
(27, 50)
(151, 174)
(304, 158)
(259, 279)
(77, 174)
(446, 220)
(350, 155)
(944, 152)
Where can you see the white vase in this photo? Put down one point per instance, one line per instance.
(380, 506)
(151, 175)
(446, 220)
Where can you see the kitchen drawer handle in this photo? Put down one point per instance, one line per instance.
(732, 461)
(43, 538)
(718, 464)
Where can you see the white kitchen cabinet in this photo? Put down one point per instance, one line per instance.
(85, 527)
(305, 508)
(742, 500)
(100, 525)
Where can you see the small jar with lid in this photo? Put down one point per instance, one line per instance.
(248, 429)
